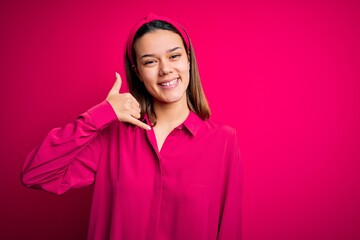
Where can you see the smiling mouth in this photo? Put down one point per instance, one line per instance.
(170, 83)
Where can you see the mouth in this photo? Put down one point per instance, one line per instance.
(169, 83)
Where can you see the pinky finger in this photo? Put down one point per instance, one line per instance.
(139, 123)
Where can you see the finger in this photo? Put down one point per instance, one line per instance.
(133, 99)
(135, 113)
(117, 85)
(135, 107)
(139, 123)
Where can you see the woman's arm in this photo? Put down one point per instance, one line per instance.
(68, 156)
(230, 225)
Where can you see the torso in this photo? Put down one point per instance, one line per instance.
(147, 190)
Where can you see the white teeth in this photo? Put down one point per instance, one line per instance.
(173, 82)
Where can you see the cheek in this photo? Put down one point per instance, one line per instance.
(184, 68)
(147, 75)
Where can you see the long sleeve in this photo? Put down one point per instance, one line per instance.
(68, 156)
(230, 226)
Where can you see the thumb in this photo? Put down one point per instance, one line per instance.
(117, 85)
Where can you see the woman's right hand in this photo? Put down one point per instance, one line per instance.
(125, 105)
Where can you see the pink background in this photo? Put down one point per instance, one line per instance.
(286, 74)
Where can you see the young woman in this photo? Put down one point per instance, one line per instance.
(161, 168)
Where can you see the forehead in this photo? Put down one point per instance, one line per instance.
(158, 41)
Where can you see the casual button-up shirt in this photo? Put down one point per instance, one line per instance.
(190, 189)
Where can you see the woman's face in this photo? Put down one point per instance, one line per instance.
(163, 65)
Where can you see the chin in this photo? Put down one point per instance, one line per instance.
(172, 99)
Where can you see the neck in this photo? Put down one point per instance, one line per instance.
(171, 114)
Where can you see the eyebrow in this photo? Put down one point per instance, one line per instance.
(168, 51)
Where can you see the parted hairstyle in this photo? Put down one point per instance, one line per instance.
(196, 99)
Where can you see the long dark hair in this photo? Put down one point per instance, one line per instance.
(196, 99)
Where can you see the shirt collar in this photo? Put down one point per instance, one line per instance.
(192, 123)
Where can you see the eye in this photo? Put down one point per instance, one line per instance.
(148, 62)
(175, 56)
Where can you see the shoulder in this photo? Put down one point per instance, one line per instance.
(219, 129)
(218, 126)
(221, 135)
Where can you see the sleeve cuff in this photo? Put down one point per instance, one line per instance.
(101, 115)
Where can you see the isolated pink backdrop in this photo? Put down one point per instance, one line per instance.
(286, 74)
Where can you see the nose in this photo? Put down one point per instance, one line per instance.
(165, 68)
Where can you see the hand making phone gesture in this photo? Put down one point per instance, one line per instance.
(125, 105)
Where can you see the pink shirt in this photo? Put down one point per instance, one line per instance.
(191, 189)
